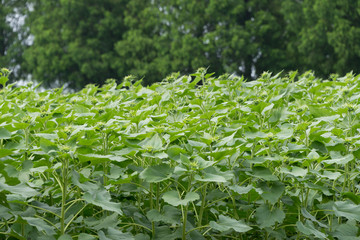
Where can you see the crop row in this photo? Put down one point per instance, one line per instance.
(191, 157)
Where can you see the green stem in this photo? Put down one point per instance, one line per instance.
(202, 208)
(184, 216)
(158, 196)
(64, 195)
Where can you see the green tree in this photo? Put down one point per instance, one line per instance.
(150, 39)
(7, 35)
(324, 35)
(144, 49)
(73, 41)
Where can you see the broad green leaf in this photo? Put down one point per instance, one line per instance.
(85, 236)
(306, 214)
(330, 175)
(102, 199)
(285, 133)
(241, 189)
(142, 236)
(298, 172)
(174, 152)
(47, 145)
(115, 234)
(40, 225)
(272, 193)
(323, 188)
(158, 173)
(65, 237)
(267, 218)
(317, 111)
(226, 141)
(5, 152)
(226, 223)
(295, 171)
(48, 136)
(170, 215)
(267, 108)
(98, 158)
(309, 229)
(153, 143)
(255, 135)
(5, 134)
(313, 155)
(347, 209)
(211, 174)
(264, 173)
(346, 232)
(338, 159)
(21, 189)
(173, 198)
(197, 144)
(3, 80)
(355, 198)
(102, 223)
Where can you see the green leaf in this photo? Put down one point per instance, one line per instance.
(211, 174)
(346, 232)
(309, 229)
(98, 158)
(347, 209)
(40, 225)
(65, 237)
(338, 159)
(352, 196)
(153, 143)
(5, 134)
(174, 152)
(102, 199)
(285, 133)
(173, 198)
(3, 80)
(48, 136)
(21, 189)
(264, 173)
(47, 145)
(85, 236)
(197, 144)
(226, 223)
(115, 234)
(272, 193)
(241, 189)
(317, 111)
(171, 215)
(267, 218)
(103, 223)
(306, 214)
(226, 141)
(5, 152)
(158, 173)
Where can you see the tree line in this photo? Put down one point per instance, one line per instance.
(87, 41)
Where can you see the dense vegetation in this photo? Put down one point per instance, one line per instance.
(87, 41)
(191, 157)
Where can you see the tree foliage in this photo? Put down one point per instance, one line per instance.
(80, 42)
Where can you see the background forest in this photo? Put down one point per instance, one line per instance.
(87, 41)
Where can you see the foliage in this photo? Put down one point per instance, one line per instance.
(81, 42)
(322, 34)
(276, 158)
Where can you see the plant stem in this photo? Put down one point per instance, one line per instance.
(184, 216)
(203, 202)
(63, 195)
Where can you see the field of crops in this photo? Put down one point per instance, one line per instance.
(193, 157)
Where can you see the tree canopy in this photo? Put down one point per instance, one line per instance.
(87, 41)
